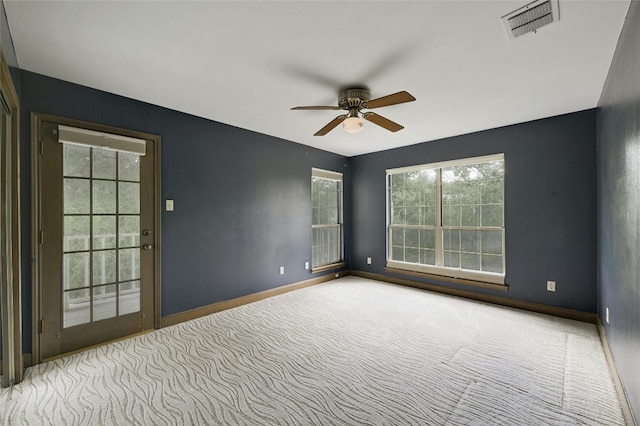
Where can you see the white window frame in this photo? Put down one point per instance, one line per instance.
(439, 268)
(335, 176)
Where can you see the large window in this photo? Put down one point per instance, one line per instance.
(448, 218)
(326, 196)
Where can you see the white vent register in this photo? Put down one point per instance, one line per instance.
(530, 18)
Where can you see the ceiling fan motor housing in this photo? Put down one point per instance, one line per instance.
(353, 98)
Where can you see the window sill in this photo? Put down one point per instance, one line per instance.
(442, 278)
(328, 267)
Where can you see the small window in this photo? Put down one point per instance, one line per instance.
(448, 218)
(326, 206)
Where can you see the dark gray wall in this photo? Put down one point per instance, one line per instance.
(550, 204)
(618, 122)
(242, 199)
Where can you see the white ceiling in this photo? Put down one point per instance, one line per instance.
(247, 63)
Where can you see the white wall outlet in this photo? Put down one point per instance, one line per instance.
(551, 286)
(306, 265)
(368, 261)
(282, 270)
(606, 315)
(337, 275)
(168, 205)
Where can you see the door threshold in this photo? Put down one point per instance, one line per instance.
(77, 351)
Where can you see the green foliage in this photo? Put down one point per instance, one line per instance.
(101, 223)
(413, 198)
(104, 164)
(472, 195)
(472, 198)
(325, 196)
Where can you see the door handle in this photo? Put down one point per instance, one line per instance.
(147, 247)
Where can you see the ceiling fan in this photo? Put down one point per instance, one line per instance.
(354, 101)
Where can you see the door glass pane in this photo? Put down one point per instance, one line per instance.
(104, 164)
(129, 234)
(76, 196)
(104, 197)
(76, 233)
(76, 160)
(129, 264)
(104, 232)
(76, 307)
(128, 167)
(129, 198)
(104, 267)
(129, 297)
(104, 302)
(75, 270)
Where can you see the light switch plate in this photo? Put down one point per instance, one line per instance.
(169, 205)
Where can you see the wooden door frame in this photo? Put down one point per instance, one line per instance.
(15, 313)
(36, 191)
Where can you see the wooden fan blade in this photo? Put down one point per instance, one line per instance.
(329, 127)
(314, 108)
(396, 98)
(382, 122)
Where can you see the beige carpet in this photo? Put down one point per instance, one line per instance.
(347, 352)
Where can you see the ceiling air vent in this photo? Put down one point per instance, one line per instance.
(530, 17)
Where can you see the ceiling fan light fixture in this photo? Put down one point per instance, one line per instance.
(353, 125)
(354, 101)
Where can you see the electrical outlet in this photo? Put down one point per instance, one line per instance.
(337, 275)
(368, 261)
(282, 270)
(606, 314)
(306, 265)
(551, 286)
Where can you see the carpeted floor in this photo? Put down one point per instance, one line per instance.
(347, 352)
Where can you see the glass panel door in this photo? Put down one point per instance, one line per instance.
(101, 237)
(98, 242)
